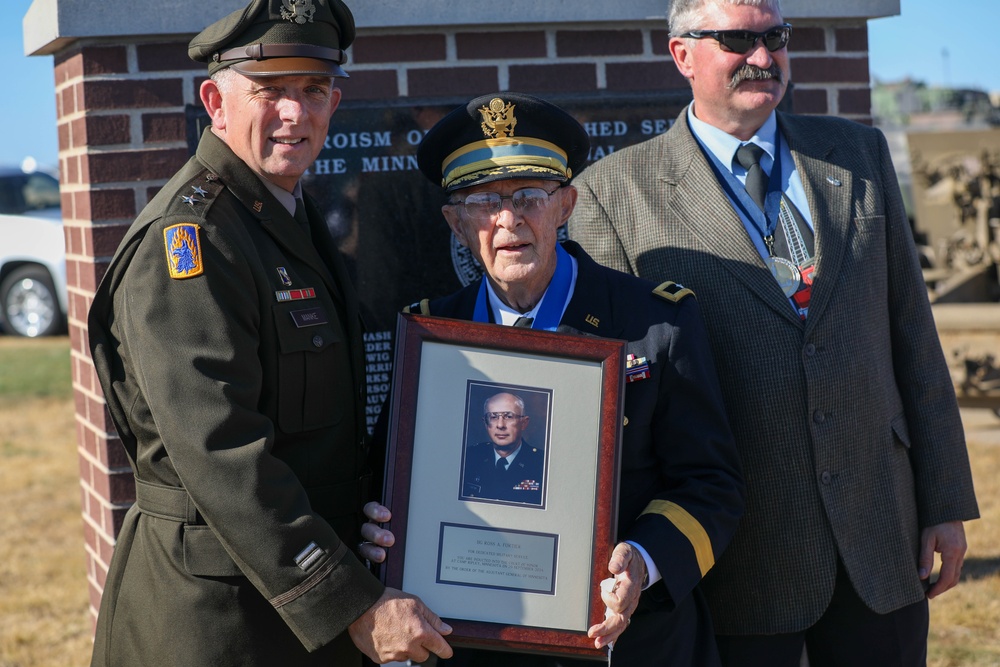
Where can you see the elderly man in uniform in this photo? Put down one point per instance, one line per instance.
(507, 467)
(226, 337)
(506, 161)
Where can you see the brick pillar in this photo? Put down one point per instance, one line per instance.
(122, 134)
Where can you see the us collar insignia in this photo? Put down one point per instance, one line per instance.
(299, 11)
(498, 119)
(283, 275)
(183, 251)
(636, 368)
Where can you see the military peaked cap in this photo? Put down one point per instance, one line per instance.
(503, 136)
(278, 38)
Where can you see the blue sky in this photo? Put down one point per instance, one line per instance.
(952, 43)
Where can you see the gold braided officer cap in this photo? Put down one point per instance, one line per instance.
(503, 136)
(278, 38)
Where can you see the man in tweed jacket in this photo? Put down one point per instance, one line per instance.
(843, 411)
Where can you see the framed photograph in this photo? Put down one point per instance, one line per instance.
(502, 478)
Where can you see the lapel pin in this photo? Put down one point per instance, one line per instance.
(283, 276)
(834, 181)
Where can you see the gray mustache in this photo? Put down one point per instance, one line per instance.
(753, 73)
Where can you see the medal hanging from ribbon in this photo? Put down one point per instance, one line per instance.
(786, 235)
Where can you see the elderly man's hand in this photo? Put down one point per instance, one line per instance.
(948, 539)
(400, 627)
(376, 539)
(620, 594)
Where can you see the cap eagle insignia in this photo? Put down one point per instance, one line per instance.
(498, 119)
(299, 11)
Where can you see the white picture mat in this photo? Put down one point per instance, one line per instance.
(445, 370)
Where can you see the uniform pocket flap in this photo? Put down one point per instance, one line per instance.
(204, 555)
(310, 338)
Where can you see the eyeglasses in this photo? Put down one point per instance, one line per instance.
(494, 417)
(741, 41)
(487, 205)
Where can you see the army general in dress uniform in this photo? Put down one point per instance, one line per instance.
(227, 340)
(505, 161)
(506, 468)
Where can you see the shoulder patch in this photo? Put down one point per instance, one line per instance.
(672, 291)
(422, 307)
(183, 251)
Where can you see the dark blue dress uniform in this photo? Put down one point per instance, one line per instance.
(520, 482)
(244, 429)
(681, 489)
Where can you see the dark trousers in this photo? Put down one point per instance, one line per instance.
(849, 634)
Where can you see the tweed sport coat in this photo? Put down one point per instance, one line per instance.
(847, 423)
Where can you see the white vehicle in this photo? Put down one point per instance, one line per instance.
(32, 255)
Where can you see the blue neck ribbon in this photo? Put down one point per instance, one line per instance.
(551, 310)
(765, 221)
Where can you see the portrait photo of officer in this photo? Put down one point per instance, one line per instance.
(506, 467)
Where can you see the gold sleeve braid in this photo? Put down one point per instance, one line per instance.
(689, 527)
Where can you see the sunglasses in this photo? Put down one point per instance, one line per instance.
(741, 41)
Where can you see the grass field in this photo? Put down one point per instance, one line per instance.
(44, 621)
(43, 589)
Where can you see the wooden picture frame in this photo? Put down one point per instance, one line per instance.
(518, 570)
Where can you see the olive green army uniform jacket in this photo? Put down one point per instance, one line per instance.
(228, 345)
(846, 423)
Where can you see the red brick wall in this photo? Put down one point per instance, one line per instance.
(122, 134)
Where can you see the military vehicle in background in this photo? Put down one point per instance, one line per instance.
(946, 147)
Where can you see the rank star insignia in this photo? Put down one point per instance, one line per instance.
(201, 192)
(190, 200)
(498, 119)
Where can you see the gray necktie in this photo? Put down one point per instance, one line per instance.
(748, 155)
(792, 237)
(524, 321)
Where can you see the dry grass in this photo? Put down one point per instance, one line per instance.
(43, 594)
(44, 618)
(965, 622)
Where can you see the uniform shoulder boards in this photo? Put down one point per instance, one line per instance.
(196, 197)
(672, 291)
(422, 307)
